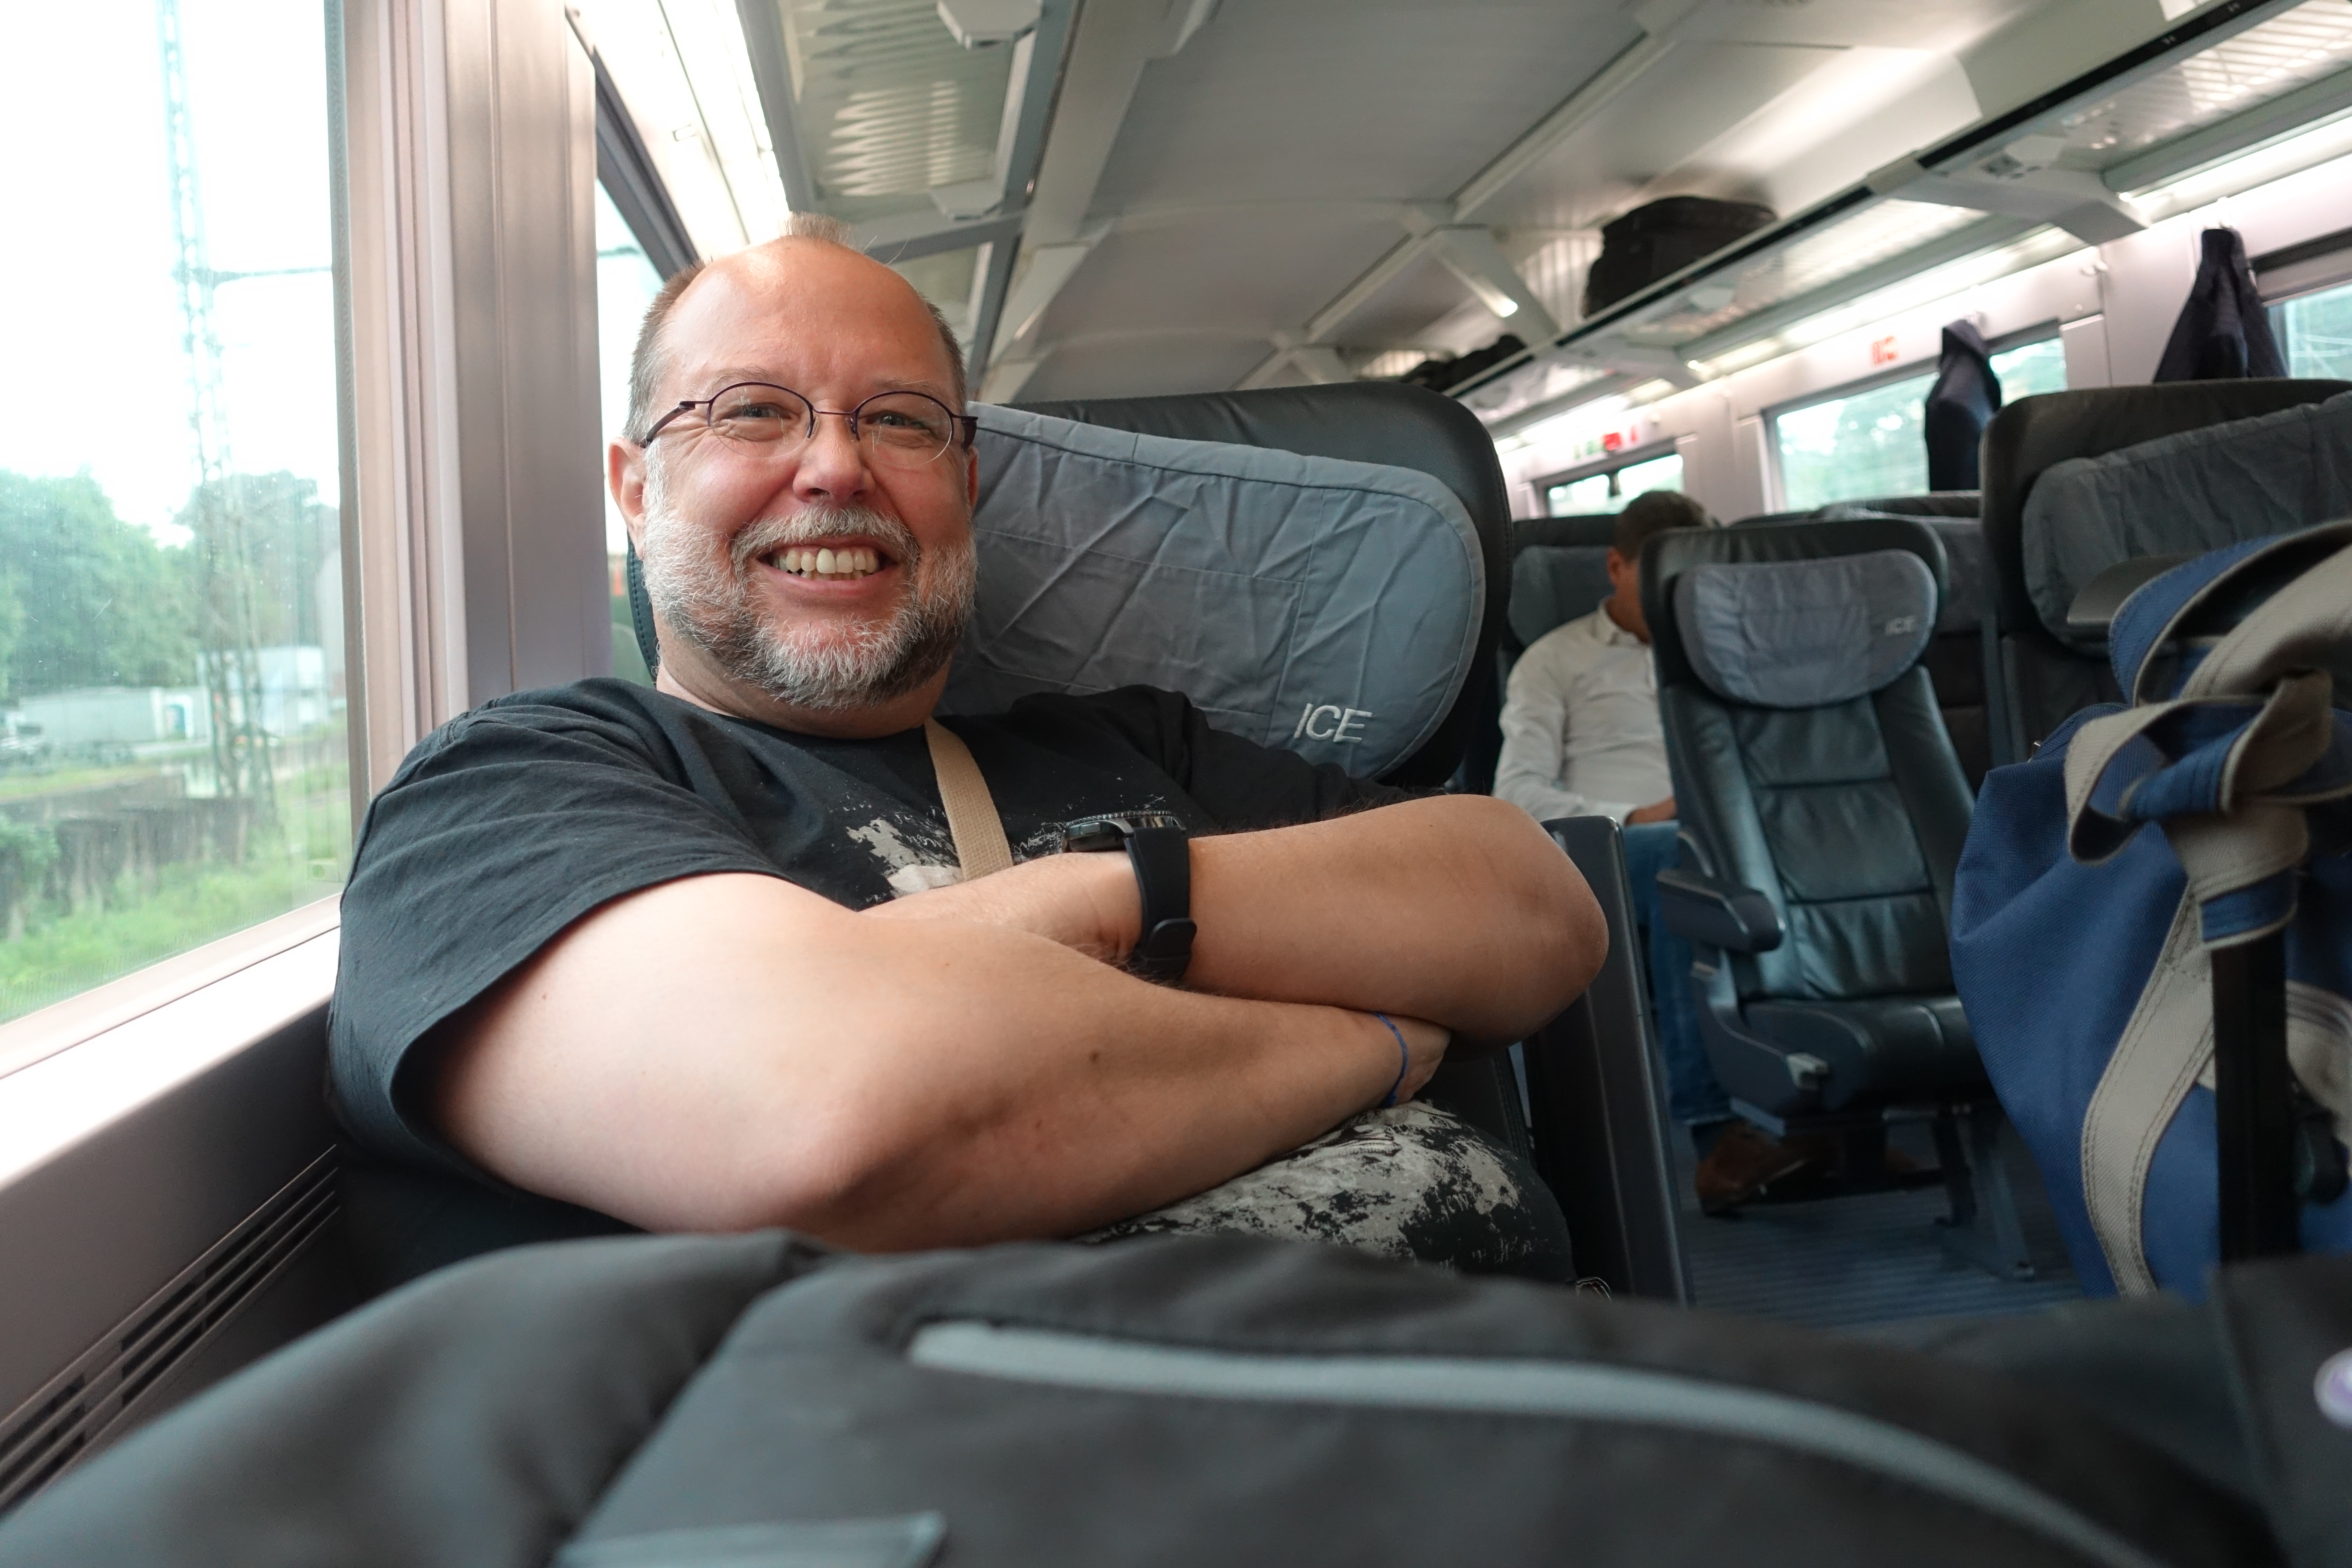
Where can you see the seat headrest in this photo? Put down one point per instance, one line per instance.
(1805, 634)
(1551, 584)
(2184, 493)
(1968, 581)
(1382, 421)
(1592, 528)
(2032, 434)
(1328, 606)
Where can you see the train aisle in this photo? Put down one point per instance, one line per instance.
(1857, 1262)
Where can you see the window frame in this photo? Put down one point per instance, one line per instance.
(2313, 266)
(1609, 463)
(2051, 331)
(419, 212)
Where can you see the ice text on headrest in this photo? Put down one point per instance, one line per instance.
(1345, 724)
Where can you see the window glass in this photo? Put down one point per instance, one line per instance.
(625, 284)
(1611, 492)
(2028, 370)
(1590, 494)
(173, 759)
(2314, 332)
(1874, 443)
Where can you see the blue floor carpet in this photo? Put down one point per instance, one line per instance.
(1842, 1263)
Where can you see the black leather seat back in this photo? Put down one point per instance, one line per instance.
(1560, 569)
(1406, 426)
(1364, 421)
(1927, 503)
(1955, 661)
(1848, 816)
(2033, 680)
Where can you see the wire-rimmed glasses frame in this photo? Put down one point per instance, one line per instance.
(895, 429)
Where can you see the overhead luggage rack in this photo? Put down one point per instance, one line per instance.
(2021, 188)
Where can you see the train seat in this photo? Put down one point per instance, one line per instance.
(1955, 658)
(2131, 471)
(1822, 812)
(1560, 569)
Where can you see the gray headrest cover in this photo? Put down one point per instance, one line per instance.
(1805, 634)
(1968, 562)
(1330, 608)
(1553, 583)
(2185, 493)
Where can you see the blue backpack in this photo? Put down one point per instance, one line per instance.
(2146, 853)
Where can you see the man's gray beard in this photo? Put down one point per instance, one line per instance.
(714, 603)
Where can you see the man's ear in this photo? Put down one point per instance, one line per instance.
(624, 473)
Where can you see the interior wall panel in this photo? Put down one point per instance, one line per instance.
(522, 173)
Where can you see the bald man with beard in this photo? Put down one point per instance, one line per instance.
(699, 957)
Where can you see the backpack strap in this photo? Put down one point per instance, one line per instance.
(2165, 1048)
(978, 833)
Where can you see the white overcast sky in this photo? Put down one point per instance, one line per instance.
(97, 376)
(90, 329)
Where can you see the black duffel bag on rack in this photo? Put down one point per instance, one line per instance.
(755, 1401)
(1661, 238)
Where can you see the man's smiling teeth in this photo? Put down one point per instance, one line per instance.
(855, 561)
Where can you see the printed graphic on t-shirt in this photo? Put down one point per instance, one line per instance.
(918, 855)
(928, 861)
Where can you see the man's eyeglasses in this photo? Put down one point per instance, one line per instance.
(895, 429)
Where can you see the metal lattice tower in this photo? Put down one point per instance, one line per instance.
(226, 580)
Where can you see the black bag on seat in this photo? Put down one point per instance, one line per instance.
(751, 1402)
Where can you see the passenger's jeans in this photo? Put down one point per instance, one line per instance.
(1692, 1094)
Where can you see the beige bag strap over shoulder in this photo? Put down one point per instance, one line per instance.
(978, 833)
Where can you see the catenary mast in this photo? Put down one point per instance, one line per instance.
(228, 624)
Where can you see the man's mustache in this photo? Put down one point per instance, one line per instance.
(767, 536)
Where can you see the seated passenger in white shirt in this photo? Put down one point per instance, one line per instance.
(1581, 738)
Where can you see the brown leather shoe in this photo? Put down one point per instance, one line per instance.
(1745, 1161)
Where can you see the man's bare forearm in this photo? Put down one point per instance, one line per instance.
(727, 1052)
(1457, 910)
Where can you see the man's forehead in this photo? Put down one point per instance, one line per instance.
(764, 316)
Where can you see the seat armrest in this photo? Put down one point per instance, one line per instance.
(1720, 914)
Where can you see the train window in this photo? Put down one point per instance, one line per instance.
(1874, 443)
(626, 283)
(1609, 491)
(173, 756)
(2314, 332)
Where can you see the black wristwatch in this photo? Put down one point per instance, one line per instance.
(1161, 853)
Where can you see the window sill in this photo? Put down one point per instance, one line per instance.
(64, 1025)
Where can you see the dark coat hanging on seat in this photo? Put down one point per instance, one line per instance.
(2223, 333)
(1966, 396)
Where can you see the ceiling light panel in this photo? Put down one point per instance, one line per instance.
(685, 73)
(2296, 46)
(888, 104)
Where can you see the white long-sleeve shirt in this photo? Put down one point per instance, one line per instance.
(1580, 731)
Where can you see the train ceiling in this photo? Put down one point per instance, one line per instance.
(1125, 197)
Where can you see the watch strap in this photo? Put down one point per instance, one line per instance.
(1162, 858)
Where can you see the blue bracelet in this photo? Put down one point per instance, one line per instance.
(1404, 1060)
